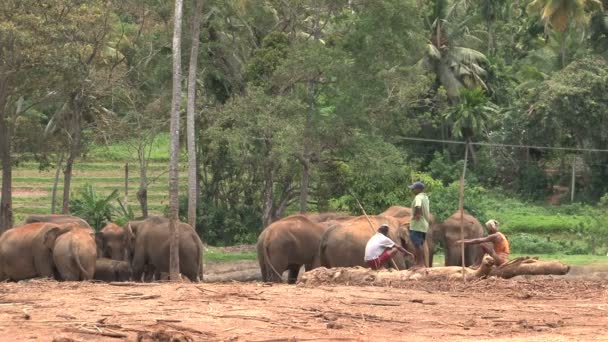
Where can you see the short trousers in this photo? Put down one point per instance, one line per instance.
(379, 261)
(417, 237)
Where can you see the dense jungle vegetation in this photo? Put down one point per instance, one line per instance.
(309, 105)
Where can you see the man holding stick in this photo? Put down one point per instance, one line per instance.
(495, 244)
(380, 249)
(419, 225)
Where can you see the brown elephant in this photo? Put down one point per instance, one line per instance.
(288, 244)
(397, 211)
(403, 215)
(343, 244)
(74, 255)
(112, 270)
(27, 251)
(112, 242)
(58, 219)
(448, 232)
(148, 244)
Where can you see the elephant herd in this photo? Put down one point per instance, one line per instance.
(338, 240)
(67, 248)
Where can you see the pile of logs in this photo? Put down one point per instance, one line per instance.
(365, 276)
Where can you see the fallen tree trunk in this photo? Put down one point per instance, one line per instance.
(366, 276)
(529, 266)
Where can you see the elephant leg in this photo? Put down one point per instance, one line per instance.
(138, 265)
(294, 270)
(308, 267)
(453, 256)
(45, 267)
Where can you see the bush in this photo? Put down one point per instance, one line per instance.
(220, 225)
(523, 243)
(533, 183)
(97, 211)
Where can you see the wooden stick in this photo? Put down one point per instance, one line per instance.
(461, 205)
(101, 333)
(371, 226)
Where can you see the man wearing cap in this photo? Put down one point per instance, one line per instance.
(419, 225)
(380, 249)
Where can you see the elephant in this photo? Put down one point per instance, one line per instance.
(74, 255)
(112, 270)
(403, 215)
(397, 212)
(112, 242)
(325, 217)
(343, 244)
(148, 246)
(288, 244)
(448, 232)
(27, 251)
(59, 219)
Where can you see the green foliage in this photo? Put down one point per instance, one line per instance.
(472, 114)
(531, 244)
(533, 183)
(97, 211)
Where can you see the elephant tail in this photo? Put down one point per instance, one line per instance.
(75, 252)
(267, 259)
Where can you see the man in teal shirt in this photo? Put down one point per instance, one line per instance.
(419, 225)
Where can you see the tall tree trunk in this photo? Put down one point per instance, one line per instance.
(6, 207)
(174, 150)
(75, 146)
(472, 151)
(490, 38)
(67, 181)
(268, 200)
(142, 192)
(55, 184)
(307, 148)
(563, 48)
(192, 183)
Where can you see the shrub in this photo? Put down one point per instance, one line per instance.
(97, 211)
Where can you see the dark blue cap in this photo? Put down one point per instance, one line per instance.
(417, 185)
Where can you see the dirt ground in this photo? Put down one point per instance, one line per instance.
(525, 309)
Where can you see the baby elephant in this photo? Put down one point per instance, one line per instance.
(112, 270)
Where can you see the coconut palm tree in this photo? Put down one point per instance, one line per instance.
(561, 15)
(456, 67)
(471, 115)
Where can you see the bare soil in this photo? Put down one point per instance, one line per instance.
(547, 309)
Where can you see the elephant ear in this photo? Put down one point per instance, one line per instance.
(53, 233)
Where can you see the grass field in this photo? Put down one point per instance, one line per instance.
(32, 188)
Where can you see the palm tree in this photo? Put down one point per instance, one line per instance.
(470, 116)
(456, 67)
(491, 10)
(560, 15)
(174, 149)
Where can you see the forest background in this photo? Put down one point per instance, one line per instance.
(308, 105)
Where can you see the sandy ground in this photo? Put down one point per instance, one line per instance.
(545, 309)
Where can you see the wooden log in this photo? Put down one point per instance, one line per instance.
(366, 276)
(529, 266)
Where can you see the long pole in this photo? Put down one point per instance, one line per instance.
(573, 179)
(371, 226)
(461, 205)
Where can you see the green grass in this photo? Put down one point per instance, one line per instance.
(123, 151)
(216, 256)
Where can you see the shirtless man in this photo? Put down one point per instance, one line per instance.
(495, 244)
